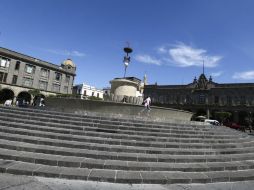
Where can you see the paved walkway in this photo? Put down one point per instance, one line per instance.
(13, 182)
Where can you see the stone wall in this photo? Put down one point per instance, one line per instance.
(113, 109)
(121, 98)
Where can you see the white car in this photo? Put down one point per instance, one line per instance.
(212, 122)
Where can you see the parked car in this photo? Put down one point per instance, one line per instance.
(232, 125)
(212, 122)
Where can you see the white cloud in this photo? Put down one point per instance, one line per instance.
(162, 49)
(185, 56)
(247, 75)
(147, 59)
(217, 74)
(74, 53)
(181, 55)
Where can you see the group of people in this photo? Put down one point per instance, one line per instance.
(39, 101)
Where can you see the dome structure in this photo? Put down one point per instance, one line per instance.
(69, 63)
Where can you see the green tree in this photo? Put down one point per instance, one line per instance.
(221, 116)
(34, 92)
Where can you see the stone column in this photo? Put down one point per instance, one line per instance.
(14, 100)
(207, 113)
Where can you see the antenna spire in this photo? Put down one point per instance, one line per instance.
(203, 67)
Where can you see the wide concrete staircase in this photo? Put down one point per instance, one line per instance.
(53, 144)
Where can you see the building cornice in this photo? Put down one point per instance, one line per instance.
(22, 57)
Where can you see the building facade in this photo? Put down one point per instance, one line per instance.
(204, 95)
(21, 73)
(86, 91)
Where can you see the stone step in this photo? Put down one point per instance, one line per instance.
(97, 129)
(97, 116)
(106, 147)
(120, 176)
(122, 148)
(20, 129)
(83, 162)
(54, 144)
(97, 135)
(80, 118)
(53, 120)
(74, 161)
(113, 155)
(38, 131)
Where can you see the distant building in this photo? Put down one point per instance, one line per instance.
(204, 95)
(21, 73)
(106, 91)
(86, 91)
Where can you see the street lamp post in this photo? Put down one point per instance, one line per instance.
(127, 58)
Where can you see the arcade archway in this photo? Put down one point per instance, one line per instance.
(6, 94)
(24, 97)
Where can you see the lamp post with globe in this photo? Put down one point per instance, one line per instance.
(127, 58)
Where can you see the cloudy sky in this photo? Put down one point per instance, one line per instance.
(171, 39)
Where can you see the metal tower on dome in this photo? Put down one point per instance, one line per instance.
(127, 58)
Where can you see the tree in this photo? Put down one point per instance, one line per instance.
(34, 92)
(221, 116)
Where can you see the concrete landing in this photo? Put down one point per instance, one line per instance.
(13, 182)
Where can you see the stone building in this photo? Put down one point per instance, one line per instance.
(204, 95)
(126, 90)
(86, 91)
(21, 73)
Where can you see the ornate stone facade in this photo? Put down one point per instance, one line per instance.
(204, 94)
(21, 73)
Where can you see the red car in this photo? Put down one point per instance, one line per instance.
(232, 125)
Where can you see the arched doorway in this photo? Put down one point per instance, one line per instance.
(24, 97)
(6, 94)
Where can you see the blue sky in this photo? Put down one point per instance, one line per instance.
(170, 38)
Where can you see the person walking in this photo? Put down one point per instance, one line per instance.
(148, 103)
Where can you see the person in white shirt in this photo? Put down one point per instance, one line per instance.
(147, 103)
(7, 103)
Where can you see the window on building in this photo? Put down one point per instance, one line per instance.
(17, 65)
(84, 92)
(242, 100)
(98, 95)
(30, 69)
(3, 77)
(58, 76)
(14, 79)
(43, 85)
(92, 93)
(229, 100)
(44, 73)
(201, 99)
(216, 99)
(56, 88)
(28, 82)
(4, 62)
(67, 79)
(188, 99)
(66, 89)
